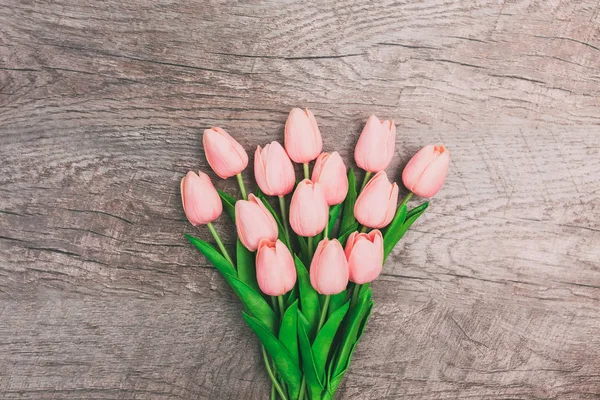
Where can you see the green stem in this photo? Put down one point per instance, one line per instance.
(302, 388)
(367, 177)
(281, 305)
(219, 242)
(323, 312)
(306, 171)
(273, 395)
(284, 217)
(242, 186)
(406, 199)
(355, 294)
(309, 239)
(364, 229)
(271, 375)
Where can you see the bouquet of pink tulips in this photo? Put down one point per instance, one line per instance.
(303, 277)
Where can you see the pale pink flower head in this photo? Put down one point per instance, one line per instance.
(376, 205)
(303, 141)
(330, 172)
(308, 209)
(426, 172)
(329, 268)
(273, 170)
(375, 147)
(275, 270)
(201, 202)
(364, 252)
(254, 222)
(224, 154)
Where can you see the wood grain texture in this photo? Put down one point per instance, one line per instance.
(495, 293)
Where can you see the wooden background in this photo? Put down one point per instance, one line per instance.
(494, 294)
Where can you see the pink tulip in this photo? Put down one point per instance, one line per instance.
(273, 170)
(376, 204)
(303, 141)
(254, 222)
(375, 147)
(308, 209)
(329, 268)
(201, 202)
(224, 154)
(275, 270)
(425, 173)
(364, 252)
(330, 172)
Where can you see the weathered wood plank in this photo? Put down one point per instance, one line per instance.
(495, 293)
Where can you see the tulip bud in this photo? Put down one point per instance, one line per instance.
(303, 141)
(425, 173)
(273, 170)
(308, 209)
(376, 204)
(364, 252)
(254, 222)
(329, 268)
(275, 270)
(201, 202)
(330, 172)
(224, 154)
(375, 147)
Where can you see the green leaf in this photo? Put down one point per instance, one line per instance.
(245, 266)
(315, 386)
(335, 382)
(291, 296)
(280, 227)
(286, 367)
(356, 314)
(228, 204)
(322, 344)
(309, 298)
(303, 248)
(288, 332)
(417, 210)
(255, 304)
(334, 213)
(336, 301)
(344, 236)
(396, 230)
(213, 255)
(348, 217)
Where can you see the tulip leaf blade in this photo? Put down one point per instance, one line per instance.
(288, 331)
(213, 255)
(303, 248)
(228, 204)
(333, 384)
(322, 345)
(334, 213)
(280, 228)
(291, 297)
(246, 270)
(348, 215)
(400, 224)
(336, 301)
(315, 386)
(354, 320)
(394, 231)
(255, 304)
(252, 300)
(286, 367)
(309, 298)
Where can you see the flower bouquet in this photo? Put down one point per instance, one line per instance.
(303, 276)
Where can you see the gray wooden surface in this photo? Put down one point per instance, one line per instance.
(494, 294)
